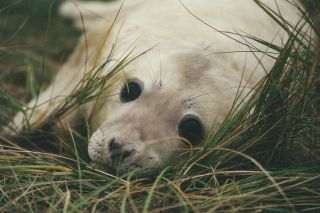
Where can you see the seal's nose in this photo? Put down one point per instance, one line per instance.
(118, 153)
(114, 146)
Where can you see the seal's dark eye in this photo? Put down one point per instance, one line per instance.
(130, 91)
(191, 128)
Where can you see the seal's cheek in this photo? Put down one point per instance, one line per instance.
(149, 159)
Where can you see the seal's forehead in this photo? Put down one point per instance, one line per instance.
(192, 66)
(180, 71)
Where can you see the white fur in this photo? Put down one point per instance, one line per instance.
(187, 59)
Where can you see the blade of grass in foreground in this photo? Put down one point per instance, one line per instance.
(213, 190)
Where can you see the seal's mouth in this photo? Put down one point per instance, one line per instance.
(137, 170)
(103, 167)
(118, 157)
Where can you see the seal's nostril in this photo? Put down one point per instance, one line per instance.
(113, 145)
(126, 154)
(117, 151)
(120, 156)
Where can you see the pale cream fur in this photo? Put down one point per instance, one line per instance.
(190, 69)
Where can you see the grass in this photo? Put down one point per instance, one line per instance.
(265, 157)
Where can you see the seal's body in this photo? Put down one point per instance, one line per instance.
(199, 57)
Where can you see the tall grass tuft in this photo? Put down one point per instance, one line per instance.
(264, 158)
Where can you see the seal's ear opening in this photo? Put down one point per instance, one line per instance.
(191, 128)
(131, 90)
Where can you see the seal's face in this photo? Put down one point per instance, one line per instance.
(151, 121)
(143, 130)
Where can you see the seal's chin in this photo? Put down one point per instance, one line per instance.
(102, 167)
(133, 170)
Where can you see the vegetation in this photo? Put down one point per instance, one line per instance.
(265, 157)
